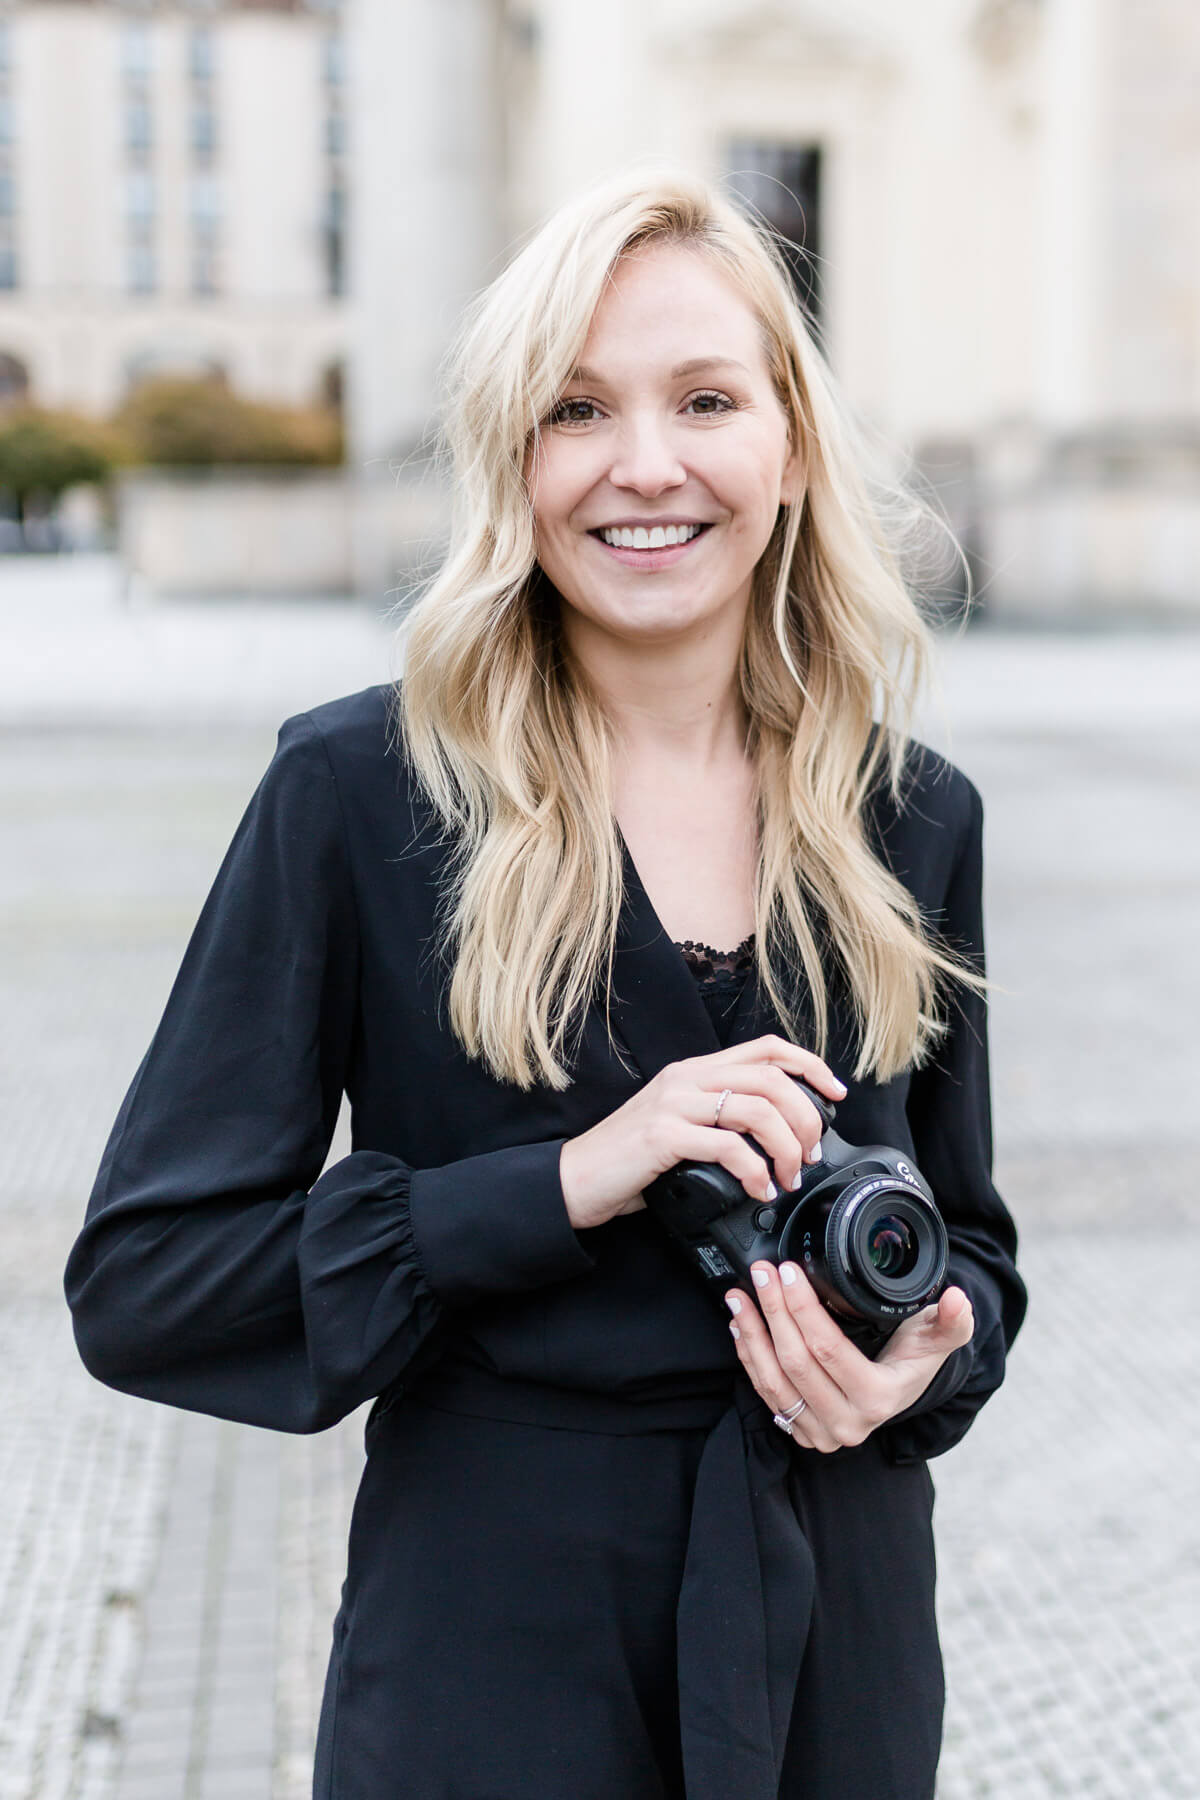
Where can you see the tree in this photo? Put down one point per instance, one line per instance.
(186, 422)
(42, 453)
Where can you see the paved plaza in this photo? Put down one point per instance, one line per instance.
(167, 1583)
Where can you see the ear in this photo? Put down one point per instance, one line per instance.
(792, 480)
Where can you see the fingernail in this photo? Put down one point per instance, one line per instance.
(733, 1303)
(760, 1277)
(772, 1191)
(787, 1274)
(840, 1086)
(814, 1155)
(734, 1332)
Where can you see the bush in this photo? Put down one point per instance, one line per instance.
(198, 423)
(42, 453)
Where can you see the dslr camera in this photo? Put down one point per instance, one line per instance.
(862, 1224)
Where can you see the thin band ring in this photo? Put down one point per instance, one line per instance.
(785, 1420)
(724, 1095)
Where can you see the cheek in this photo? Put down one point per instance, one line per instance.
(554, 494)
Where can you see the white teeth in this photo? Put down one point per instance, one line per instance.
(658, 537)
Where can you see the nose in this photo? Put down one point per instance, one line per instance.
(646, 461)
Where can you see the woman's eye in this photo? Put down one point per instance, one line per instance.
(708, 404)
(573, 412)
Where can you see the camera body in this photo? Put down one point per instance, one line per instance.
(862, 1224)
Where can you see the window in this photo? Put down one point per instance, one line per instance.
(141, 269)
(135, 51)
(138, 131)
(334, 236)
(139, 195)
(333, 222)
(781, 183)
(204, 202)
(333, 60)
(202, 54)
(204, 131)
(204, 270)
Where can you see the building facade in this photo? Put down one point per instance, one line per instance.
(996, 201)
(999, 197)
(172, 197)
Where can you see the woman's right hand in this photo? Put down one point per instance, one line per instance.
(604, 1171)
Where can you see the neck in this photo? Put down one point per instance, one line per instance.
(670, 702)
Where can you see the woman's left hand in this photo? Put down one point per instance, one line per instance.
(799, 1351)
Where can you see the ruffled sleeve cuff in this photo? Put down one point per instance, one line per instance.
(941, 1416)
(495, 1224)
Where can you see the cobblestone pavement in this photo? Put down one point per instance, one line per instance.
(167, 1583)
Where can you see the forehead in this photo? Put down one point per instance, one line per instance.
(669, 304)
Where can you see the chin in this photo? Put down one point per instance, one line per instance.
(656, 616)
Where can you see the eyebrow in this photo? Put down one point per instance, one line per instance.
(696, 366)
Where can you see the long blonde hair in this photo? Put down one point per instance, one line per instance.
(513, 749)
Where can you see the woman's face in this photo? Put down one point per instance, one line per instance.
(659, 475)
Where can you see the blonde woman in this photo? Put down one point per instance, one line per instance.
(640, 838)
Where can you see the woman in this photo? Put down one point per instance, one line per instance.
(636, 722)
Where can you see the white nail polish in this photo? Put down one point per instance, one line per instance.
(772, 1191)
(734, 1332)
(814, 1155)
(734, 1304)
(787, 1274)
(760, 1278)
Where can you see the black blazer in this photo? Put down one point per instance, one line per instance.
(220, 1270)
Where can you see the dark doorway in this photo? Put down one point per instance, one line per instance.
(14, 381)
(781, 184)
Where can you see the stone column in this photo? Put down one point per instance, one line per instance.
(423, 227)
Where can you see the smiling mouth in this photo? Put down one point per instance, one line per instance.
(648, 537)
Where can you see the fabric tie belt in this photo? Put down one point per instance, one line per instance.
(745, 1601)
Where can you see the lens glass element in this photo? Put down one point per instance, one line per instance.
(892, 1247)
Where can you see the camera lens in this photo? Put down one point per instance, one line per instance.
(892, 1247)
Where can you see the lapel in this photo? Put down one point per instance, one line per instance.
(657, 1011)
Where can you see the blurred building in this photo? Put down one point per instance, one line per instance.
(998, 197)
(172, 196)
(995, 199)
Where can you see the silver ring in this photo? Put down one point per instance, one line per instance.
(786, 1420)
(724, 1095)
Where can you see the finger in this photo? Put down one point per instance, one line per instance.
(956, 1316)
(755, 1114)
(852, 1372)
(713, 1144)
(815, 1354)
(791, 1057)
(769, 1084)
(757, 1356)
(930, 1336)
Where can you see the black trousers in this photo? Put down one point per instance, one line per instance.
(508, 1622)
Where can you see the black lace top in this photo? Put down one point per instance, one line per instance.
(720, 976)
